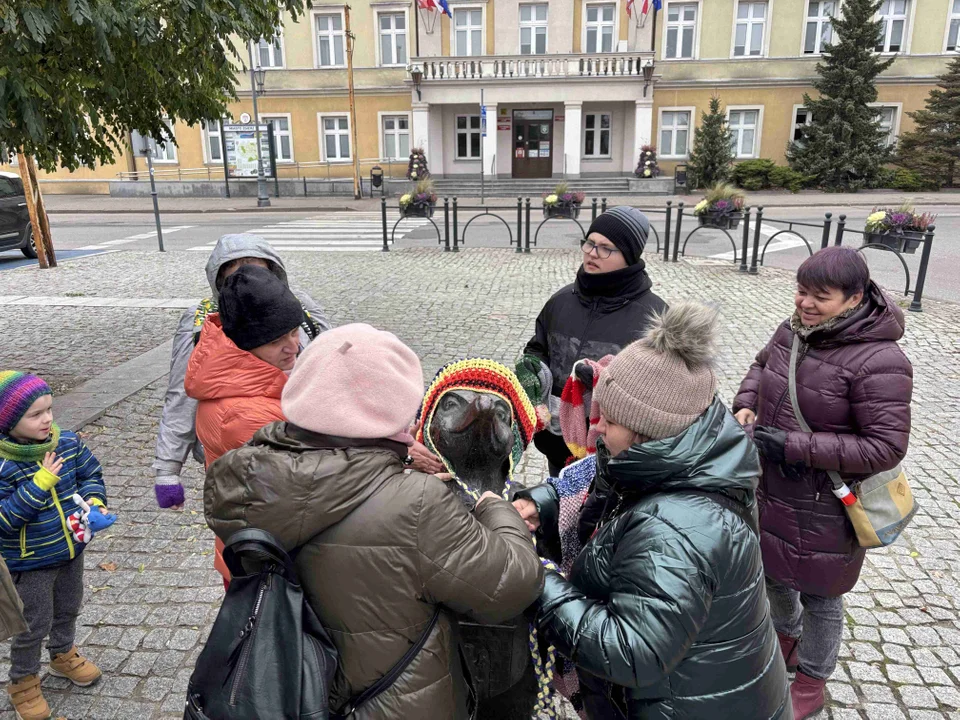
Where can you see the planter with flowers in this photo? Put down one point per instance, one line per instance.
(647, 167)
(419, 203)
(722, 207)
(899, 229)
(563, 202)
(417, 167)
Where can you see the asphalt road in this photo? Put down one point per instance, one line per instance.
(85, 234)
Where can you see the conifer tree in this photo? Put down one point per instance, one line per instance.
(712, 148)
(844, 148)
(933, 148)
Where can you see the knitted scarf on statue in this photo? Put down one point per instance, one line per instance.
(579, 414)
(487, 376)
(29, 452)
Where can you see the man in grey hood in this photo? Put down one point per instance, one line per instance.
(177, 436)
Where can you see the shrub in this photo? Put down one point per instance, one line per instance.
(787, 178)
(753, 174)
(909, 181)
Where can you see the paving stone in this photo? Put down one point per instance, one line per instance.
(875, 711)
(917, 697)
(903, 674)
(842, 693)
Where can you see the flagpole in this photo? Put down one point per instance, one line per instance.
(416, 28)
(653, 37)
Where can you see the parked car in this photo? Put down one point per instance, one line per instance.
(15, 230)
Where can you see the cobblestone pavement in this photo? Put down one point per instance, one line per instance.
(145, 621)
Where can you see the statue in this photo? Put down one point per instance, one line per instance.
(477, 419)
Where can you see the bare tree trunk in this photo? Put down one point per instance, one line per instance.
(38, 216)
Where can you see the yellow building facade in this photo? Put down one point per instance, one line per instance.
(568, 88)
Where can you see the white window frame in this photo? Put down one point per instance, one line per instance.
(615, 37)
(314, 14)
(952, 16)
(272, 48)
(156, 145)
(691, 128)
(468, 132)
(398, 10)
(696, 30)
(894, 134)
(267, 117)
(795, 124)
(751, 24)
(382, 147)
(206, 135)
(323, 138)
(820, 21)
(596, 129)
(908, 19)
(533, 24)
(757, 130)
(483, 29)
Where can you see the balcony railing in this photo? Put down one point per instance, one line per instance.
(502, 67)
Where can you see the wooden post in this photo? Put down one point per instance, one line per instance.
(38, 220)
(357, 190)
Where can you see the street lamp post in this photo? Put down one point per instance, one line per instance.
(257, 79)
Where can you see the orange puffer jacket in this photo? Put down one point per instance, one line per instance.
(238, 394)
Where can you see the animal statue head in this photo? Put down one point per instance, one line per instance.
(477, 419)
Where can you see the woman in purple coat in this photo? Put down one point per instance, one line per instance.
(854, 385)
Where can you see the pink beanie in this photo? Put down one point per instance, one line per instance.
(357, 382)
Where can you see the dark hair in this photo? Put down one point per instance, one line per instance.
(840, 268)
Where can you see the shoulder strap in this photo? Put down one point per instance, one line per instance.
(387, 680)
(739, 509)
(792, 387)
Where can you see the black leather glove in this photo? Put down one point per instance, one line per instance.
(771, 443)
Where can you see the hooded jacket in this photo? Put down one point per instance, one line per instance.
(177, 437)
(380, 550)
(667, 602)
(854, 385)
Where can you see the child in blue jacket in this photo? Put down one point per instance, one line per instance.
(41, 538)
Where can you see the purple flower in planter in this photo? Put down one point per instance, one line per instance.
(722, 205)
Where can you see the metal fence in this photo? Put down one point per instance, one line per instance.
(748, 253)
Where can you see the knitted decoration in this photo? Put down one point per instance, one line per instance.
(18, 391)
(579, 413)
(480, 375)
(32, 452)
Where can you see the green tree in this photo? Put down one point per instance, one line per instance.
(77, 75)
(712, 148)
(933, 149)
(844, 148)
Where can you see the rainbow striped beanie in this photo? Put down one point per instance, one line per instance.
(18, 391)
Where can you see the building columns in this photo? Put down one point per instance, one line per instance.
(572, 131)
(420, 132)
(490, 142)
(642, 129)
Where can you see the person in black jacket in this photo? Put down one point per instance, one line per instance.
(607, 307)
(664, 612)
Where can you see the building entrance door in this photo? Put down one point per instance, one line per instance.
(533, 145)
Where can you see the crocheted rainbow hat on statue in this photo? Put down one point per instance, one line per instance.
(480, 375)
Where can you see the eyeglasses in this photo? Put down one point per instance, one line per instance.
(603, 251)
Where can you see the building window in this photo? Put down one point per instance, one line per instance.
(681, 27)
(801, 118)
(396, 137)
(336, 137)
(674, 133)
(954, 27)
(212, 149)
(469, 31)
(330, 40)
(468, 137)
(596, 135)
(888, 123)
(393, 39)
(893, 15)
(163, 152)
(744, 125)
(282, 138)
(269, 53)
(533, 29)
(819, 30)
(748, 40)
(601, 20)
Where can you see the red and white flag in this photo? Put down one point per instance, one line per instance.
(629, 8)
(427, 5)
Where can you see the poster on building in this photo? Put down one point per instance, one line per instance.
(241, 142)
(544, 149)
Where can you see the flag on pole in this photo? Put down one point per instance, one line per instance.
(629, 8)
(427, 5)
(445, 8)
(645, 9)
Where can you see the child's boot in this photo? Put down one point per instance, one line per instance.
(28, 702)
(75, 667)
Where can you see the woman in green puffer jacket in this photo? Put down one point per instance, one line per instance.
(665, 613)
